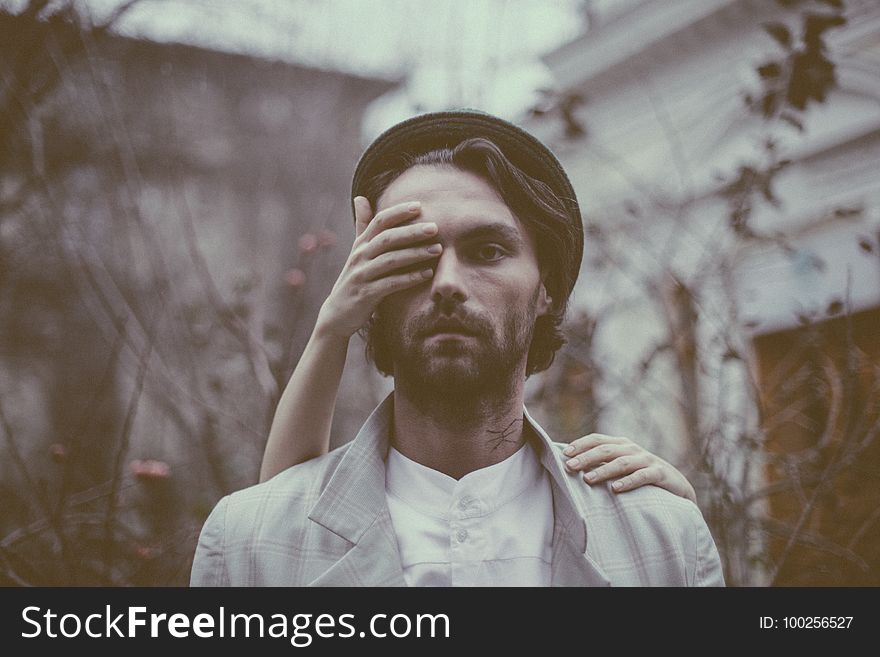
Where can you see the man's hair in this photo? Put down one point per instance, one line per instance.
(533, 203)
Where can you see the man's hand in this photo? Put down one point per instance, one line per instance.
(602, 458)
(384, 259)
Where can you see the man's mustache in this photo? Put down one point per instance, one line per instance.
(433, 321)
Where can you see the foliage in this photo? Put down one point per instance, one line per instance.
(774, 504)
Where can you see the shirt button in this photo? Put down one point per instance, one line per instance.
(462, 535)
(464, 503)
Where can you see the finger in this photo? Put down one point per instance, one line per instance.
(389, 217)
(618, 467)
(398, 237)
(389, 262)
(377, 290)
(659, 475)
(639, 478)
(584, 443)
(362, 214)
(602, 454)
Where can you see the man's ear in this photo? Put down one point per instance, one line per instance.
(545, 301)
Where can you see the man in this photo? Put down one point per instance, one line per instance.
(450, 482)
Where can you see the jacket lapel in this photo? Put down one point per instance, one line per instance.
(354, 507)
(571, 565)
(373, 561)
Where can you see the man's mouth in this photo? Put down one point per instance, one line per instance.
(449, 328)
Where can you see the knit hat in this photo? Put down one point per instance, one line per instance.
(436, 130)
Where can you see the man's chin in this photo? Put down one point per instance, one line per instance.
(447, 366)
(453, 376)
(450, 367)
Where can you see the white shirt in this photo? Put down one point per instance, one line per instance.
(492, 527)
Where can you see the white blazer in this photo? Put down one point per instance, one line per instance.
(326, 523)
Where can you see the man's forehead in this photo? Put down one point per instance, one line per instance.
(464, 205)
(432, 183)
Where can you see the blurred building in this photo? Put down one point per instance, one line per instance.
(728, 311)
(171, 220)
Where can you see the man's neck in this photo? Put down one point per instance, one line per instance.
(458, 437)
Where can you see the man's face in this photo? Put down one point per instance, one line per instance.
(468, 329)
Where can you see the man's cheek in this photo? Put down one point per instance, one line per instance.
(397, 304)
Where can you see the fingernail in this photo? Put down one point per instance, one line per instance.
(590, 476)
(427, 273)
(617, 485)
(430, 228)
(435, 248)
(568, 451)
(571, 463)
(414, 207)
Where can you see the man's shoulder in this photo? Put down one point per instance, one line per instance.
(316, 470)
(600, 499)
(257, 536)
(648, 499)
(629, 534)
(297, 487)
(648, 511)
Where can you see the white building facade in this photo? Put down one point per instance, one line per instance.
(684, 272)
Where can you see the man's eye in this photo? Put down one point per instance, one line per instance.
(490, 252)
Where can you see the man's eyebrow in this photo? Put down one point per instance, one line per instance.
(496, 230)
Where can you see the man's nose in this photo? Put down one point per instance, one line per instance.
(448, 283)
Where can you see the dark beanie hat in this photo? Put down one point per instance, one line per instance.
(436, 130)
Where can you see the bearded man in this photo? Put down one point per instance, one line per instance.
(470, 245)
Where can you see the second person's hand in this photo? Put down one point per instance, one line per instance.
(604, 458)
(383, 260)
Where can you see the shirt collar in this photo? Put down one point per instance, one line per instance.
(483, 490)
(355, 494)
(353, 505)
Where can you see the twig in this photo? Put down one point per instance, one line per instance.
(122, 450)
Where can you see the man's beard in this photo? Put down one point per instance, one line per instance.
(484, 367)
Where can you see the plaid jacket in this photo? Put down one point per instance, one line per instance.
(326, 523)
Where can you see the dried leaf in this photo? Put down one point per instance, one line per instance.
(731, 354)
(770, 70)
(780, 33)
(816, 24)
(845, 213)
(769, 104)
(792, 120)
